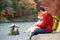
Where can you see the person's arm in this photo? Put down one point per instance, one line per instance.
(44, 22)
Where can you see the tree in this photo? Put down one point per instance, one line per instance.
(2, 6)
(52, 6)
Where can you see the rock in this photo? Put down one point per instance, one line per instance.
(49, 36)
(3, 19)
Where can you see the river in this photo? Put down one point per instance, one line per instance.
(5, 29)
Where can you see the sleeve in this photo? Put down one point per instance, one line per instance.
(44, 22)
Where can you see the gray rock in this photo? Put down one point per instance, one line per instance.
(3, 19)
(50, 36)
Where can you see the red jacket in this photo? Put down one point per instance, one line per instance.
(47, 22)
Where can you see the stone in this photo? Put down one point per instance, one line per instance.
(49, 36)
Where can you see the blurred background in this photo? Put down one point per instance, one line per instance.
(26, 10)
(24, 14)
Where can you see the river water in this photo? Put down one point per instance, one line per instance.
(5, 29)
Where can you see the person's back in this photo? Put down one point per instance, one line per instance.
(46, 25)
(49, 23)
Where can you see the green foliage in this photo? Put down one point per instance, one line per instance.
(28, 9)
(38, 4)
(14, 6)
(1, 7)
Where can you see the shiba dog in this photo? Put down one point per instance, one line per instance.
(31, 29)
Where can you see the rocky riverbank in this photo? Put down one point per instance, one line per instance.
(50, 36)
(3, 19)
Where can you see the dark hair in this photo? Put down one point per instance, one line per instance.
(41, 8)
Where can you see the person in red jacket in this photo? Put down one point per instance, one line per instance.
(46, 25)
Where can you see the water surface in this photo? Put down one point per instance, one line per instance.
(5, 29)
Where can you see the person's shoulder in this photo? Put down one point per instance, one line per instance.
(47, 14)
